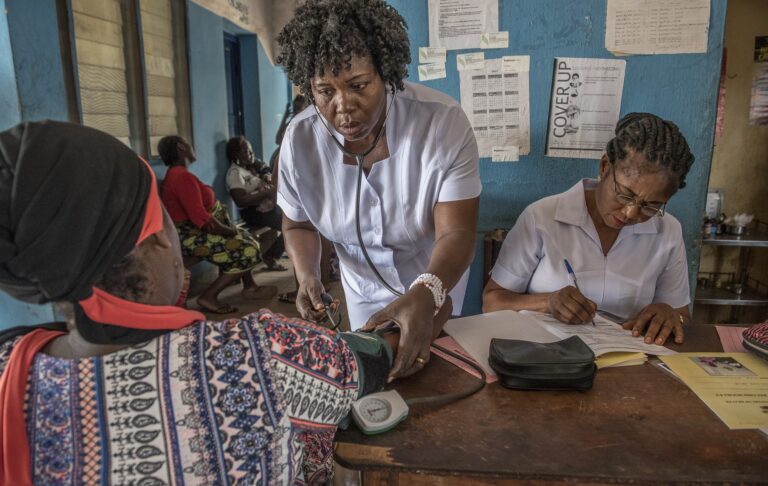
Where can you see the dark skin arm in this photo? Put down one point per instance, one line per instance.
(245, 199)
(567, 305)
(214, 226)
(302, 242)
(455, 226)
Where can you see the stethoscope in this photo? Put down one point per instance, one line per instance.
(359, 158)
(435, 400)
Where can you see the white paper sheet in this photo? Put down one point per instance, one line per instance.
(431, 55)
(510, 153)
(497, 104)
(656, 26)
(470, 62)
(585, 105)
(604, 337)
(494, 40)
(512, 64)
(431, 71)
(457, 24)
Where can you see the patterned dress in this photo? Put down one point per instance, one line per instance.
(248, 401)
(232, 254)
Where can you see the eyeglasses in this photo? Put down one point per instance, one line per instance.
(646, 209)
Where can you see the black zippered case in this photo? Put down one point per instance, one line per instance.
(523, 365)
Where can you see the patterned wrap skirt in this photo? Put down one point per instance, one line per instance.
(232, 254)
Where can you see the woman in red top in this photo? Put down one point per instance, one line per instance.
(205, 230)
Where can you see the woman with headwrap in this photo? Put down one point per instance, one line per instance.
(133, 389)
(204, 228)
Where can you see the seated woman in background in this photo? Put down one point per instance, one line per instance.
(205, 229)
(627, 253)
(249, 181)
(133, 390)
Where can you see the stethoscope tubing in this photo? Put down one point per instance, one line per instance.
(359, 159)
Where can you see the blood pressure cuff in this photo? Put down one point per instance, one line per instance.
(756, 339)
(523, 365)
(374, 360)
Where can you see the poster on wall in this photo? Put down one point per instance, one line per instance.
(657, 26)
(495, 98)
(459, 24)
(758, 106)
(585, 105)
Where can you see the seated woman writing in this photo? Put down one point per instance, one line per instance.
(205, 229)
(133, 390)
(250, 184)
(627, 253)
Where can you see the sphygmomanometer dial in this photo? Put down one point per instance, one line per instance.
(379, 412)
(375, 410)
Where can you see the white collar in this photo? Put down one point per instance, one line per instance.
(572, 209)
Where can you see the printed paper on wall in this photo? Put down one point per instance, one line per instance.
(585, 105)
(458, 24)
(497, 104)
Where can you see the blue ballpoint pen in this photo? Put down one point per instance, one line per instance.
(573, 276)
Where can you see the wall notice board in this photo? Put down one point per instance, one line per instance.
(679, 87)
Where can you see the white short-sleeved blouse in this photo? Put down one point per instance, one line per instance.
(242, 178)
(647, 263)
(433, 158)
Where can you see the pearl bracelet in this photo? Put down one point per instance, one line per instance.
(433, 284)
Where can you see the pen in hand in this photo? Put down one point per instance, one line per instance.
(573, 277)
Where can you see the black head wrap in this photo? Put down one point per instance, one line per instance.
(72, 202)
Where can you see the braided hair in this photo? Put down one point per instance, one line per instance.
(660, 141)
(329, 32)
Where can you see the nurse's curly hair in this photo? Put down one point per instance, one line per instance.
(659, 140)
(329, 32)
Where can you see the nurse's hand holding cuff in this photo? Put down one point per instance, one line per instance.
(661, 320)
(568, 305)
(414, 313)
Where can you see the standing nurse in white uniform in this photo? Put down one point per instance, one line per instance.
(419, 185)
(627, 253)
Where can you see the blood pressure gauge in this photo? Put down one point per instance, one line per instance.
(379, 412)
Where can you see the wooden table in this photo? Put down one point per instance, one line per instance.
(638, 425)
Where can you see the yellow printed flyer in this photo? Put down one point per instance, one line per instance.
(733, 385)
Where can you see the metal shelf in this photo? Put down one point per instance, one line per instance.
(715, 296)
(760, 240)
(758, 237)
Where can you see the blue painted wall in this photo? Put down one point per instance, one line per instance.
(207, 83)
(249, 56)
(10, 113)
(680, 87)
(34, 34)
(265, 93)
(33, 87)
(272, 81)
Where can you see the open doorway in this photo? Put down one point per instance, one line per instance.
(234, 85)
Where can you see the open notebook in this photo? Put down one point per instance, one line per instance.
(610, 343)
